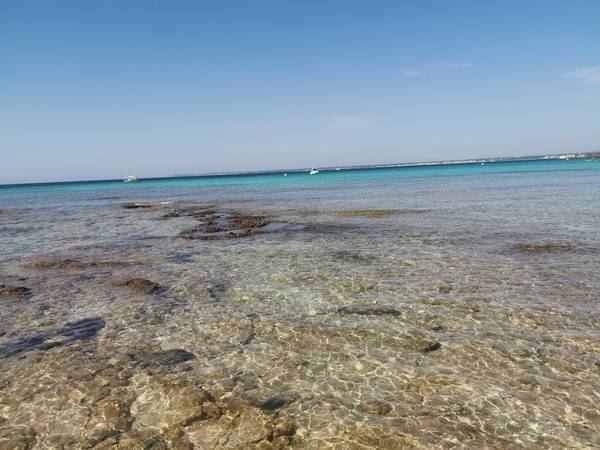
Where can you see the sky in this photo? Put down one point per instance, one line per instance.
(187, 87)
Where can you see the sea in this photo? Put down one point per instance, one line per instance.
(438, 306)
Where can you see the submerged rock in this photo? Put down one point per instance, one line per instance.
(159, 357)
(69, 333)
(55, 341)
(285, 427)
(366, 213)
(544, 248)
(197, 234)
(431, 347)
(296, 212)
(213, 229)
(247, 222)
(215, 226)
(142, 285)
(273, 403)
(56, 263)
(348, 256)
(23, 439)
(82, 329)
(7, 291)
(375, 407)
(197, 212)
(72, 263)
(136, 205)
(173, 403)
(370, 310)
(244, 233)
(217, 290)
(445, 289)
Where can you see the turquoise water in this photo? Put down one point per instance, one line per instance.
(413, 307)
(325, 177)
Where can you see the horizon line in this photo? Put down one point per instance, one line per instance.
(326, 168)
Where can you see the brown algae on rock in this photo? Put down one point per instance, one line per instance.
(218, 226)
(371, 213)
(141, 285)
(544, 248)
(9, 291)
(59, 263)
(365, 213)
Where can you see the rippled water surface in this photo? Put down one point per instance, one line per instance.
(430, 307)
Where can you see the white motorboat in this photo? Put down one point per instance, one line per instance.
(313, 171)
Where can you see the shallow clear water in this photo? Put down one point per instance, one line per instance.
(425, 307)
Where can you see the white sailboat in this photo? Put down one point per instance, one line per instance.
(338, 166)
(129, 178)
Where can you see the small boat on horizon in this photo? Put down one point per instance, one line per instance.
(129, 178)
(313, 171)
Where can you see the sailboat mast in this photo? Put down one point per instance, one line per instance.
(129, 177)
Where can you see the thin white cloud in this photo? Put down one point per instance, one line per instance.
(436, 66)
(587, 74)
(412, 73)
(454, 65)
(590, 98)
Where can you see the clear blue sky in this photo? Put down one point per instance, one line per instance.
(191, 87)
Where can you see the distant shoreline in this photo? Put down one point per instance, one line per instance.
(558, 156)
(580, 155)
